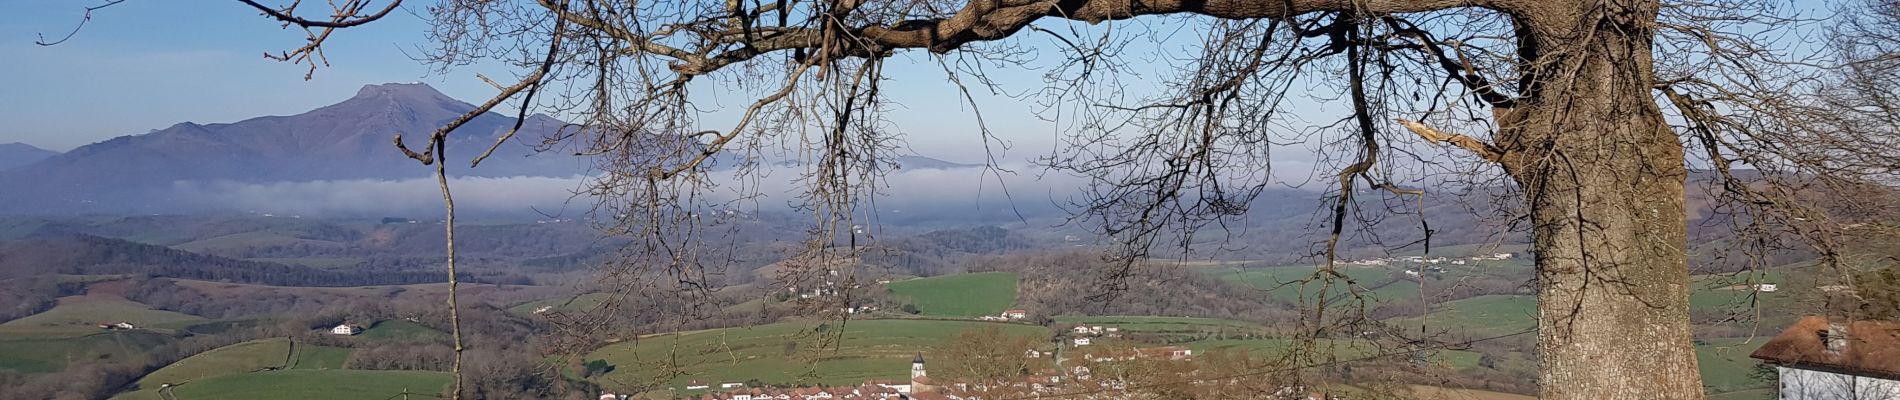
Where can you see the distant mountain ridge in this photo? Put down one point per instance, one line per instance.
(14, 155)
(347, 140)
(921, 162)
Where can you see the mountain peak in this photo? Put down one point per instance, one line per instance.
(22, 147)
(405, 101)
(18, 154)
(405, 91)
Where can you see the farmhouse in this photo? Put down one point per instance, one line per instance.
(1016, 314)
(1823, 358)
(696, 385)
(346, 329)
(1171, 353)
(1082, 341)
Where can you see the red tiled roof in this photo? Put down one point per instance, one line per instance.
(1871, 348)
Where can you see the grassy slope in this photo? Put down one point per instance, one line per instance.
(1282, 282)
(396, 329)
(869, 349)
(314, 385)
(965, 295)
(76, 314)
(1481, 316)
(1724, 362)
(50, 353)
(247, 357)
(1726, 366)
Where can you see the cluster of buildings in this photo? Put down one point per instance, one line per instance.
(919, 387)
(1421, 260)
(922, 387)
(1007, 315)
(116, 325)
(1172, 353)
(1084, 335)
(346, 329)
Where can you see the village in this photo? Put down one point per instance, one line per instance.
(1816, 358)
(1072, 352)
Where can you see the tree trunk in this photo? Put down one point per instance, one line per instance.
(1603, 176)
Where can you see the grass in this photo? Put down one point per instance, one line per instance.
(1734, 293)
(32, 353)
(1282, 282)
(248, 357)
(400, 330)
(1481, 316)
(787, 353)
(1726, 366)
(964, 295)
(80, 314)
(320, 357)
(1750, 394)
(276, 353)
(212, 327)
(308, 384)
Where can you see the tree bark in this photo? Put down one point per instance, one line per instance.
(1603, 176)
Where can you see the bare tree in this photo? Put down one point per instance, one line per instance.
(1590, 112)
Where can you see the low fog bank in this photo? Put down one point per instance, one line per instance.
(970, 194)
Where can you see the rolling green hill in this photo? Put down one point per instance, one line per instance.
(308, 384)
(1282, 282)
(82, 314)
(40, 352)
(786, 353)
(396, 329)
(276, 353)
(1481, 316)
(965, 295)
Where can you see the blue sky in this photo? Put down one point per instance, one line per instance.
(148, 64)
(144, 65)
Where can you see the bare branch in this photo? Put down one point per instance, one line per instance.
(1482, 149)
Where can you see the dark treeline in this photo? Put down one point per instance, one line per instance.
(95, 255)
(939, 252)
(24, 296)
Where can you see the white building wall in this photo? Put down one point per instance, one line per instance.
(1802, 384)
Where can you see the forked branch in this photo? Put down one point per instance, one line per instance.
(1484, 150)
